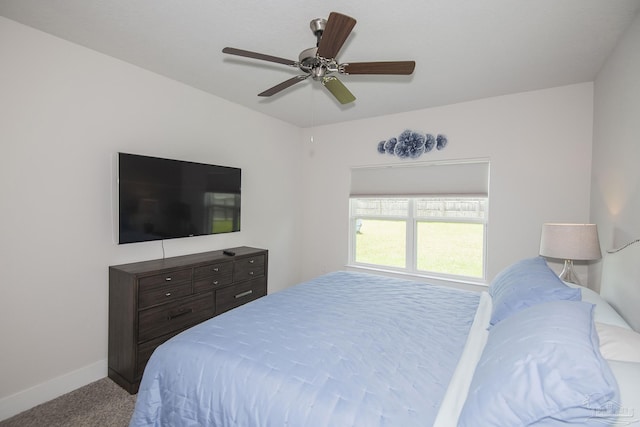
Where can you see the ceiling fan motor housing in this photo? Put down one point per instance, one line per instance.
(308, 59)
(318, 67)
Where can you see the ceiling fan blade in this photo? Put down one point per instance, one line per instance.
(335, 34)
(338, 90)
(261, 56)
(389, 67)
(282, 86)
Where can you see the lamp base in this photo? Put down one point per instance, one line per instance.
(568, 274)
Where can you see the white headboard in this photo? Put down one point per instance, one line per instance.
(620, 284)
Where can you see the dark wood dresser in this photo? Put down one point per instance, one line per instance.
(151, 301)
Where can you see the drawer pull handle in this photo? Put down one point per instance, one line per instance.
(168, 279)
(215, 282)
(244, 294)
(216, 269)
(181, 312)
(251, 273)
(251, 261)
(168, 294)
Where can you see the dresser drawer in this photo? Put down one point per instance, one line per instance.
(209, 283)
(248, 268)
(145, 350)
(164, 278)
(148, 297)
(154, 322)
(234, 296)
(217, 269)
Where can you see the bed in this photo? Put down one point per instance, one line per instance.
(355, 349)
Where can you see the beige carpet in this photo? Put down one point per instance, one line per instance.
(102, 403)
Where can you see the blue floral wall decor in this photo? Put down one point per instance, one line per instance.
(441, 141)
(431, 141)
(411, 145)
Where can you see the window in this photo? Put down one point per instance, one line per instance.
(430, 233)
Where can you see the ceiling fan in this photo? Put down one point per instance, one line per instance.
(320, 62)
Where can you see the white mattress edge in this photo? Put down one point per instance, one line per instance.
(458, 388)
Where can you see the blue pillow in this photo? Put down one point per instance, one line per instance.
(542, 366)
(524, 284)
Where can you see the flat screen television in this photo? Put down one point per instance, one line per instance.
(165, 199)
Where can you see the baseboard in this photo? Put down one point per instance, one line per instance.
(43, 392)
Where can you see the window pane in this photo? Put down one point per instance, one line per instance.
(451, 208)
(450, 248)
(380, 207)
(381, 242)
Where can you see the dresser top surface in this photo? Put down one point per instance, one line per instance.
(186, 260)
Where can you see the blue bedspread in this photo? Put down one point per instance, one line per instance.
(344, 349)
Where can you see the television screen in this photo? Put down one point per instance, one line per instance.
(165, 199)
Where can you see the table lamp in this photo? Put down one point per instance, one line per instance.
(571, 242)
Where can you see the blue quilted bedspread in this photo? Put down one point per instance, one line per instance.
(344, 349)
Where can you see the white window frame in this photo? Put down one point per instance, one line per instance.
(411, 250)
(462, 178)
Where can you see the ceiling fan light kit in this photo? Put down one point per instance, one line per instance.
(320, 62)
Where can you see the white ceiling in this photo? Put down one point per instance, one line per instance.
(464, 49)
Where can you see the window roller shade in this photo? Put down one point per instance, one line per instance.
(468, 178)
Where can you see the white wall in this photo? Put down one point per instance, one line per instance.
(539, 145)
(615, 185)
(64, 113)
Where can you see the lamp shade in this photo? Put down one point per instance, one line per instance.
(570, 241)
